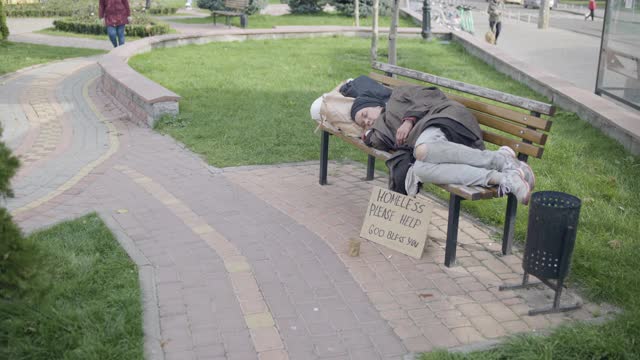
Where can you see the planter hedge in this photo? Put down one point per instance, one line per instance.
(35, 10)
(162, 10)
(97, 28)
(41, 10)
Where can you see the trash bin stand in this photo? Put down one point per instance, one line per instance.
(557, 287)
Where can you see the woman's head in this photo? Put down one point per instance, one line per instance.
(367, 115)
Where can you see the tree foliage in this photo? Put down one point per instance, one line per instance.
(254, 5)
(4, 30)
(16, 254)
(305, 6)
(346, 7)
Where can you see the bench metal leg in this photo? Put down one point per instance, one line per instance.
(509, 224)
(452, 230)
(324, 157)
(371, 166)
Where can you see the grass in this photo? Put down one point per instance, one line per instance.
(253, 109)
(14, 56)
(267, 21)
(85, 301)
(55, 32)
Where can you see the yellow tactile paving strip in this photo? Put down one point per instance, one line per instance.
(264, 334)
(44, 121)
(114, 144)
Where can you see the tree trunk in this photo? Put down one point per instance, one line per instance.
(374, 32)
(393, 32)
(356, 11)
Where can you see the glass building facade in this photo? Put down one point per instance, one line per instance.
(619, 65)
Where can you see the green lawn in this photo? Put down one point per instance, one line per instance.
(266, 21)
(85, 301)
(253, 108)
(14, 56)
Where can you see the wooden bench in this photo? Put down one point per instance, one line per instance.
(235, 8)
(526, 133)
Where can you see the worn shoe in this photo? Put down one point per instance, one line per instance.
(411, 182)
(512, 163)
(514, 183)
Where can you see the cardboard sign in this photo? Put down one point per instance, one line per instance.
(397, 221)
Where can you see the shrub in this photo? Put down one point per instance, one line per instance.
(345, 7)
(141, 26)
(254, 5)
(162, 10)
(304, 6)
(16, 255)
(4, 30)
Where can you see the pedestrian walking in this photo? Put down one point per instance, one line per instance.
(116, 15)
(592, 9)
(495, 17)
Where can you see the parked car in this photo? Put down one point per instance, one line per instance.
(536, 3)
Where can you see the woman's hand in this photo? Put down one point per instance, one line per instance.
(403, 132)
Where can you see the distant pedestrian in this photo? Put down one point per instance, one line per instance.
(495, 17)
(116, 15)
(592, 9)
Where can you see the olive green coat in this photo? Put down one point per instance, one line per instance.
(425, 104)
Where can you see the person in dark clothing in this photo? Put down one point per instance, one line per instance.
(446, 140)
(495, 17)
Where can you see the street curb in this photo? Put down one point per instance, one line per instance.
(147, 279)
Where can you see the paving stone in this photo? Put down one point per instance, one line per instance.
(467, 335)
(500, 311)
(488, 326)
(439, 335)
(514, 327)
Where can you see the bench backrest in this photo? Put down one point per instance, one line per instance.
(523, 132)
(236, 4)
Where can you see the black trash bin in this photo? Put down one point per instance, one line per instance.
(551, 236)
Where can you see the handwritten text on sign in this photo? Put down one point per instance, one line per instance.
(397, 221)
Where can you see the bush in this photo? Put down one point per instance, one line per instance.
(162, 10)
(37, 10)
(345, 7)
(304, 6)
(254, 5)
(4, 30)
(141, 26)
(16, 255)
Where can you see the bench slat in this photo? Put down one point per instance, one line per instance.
(226, 13)
(236, 4)
(518, 101)
(516, 145)
(471, 193)
(510, 128)
(508, 114)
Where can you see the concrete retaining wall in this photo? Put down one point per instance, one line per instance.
(613, 120)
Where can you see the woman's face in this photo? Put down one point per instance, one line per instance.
(366, 116)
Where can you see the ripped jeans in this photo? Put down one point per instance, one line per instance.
(450, 163)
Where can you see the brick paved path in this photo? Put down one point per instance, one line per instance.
(249, 262)
(22, 30)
